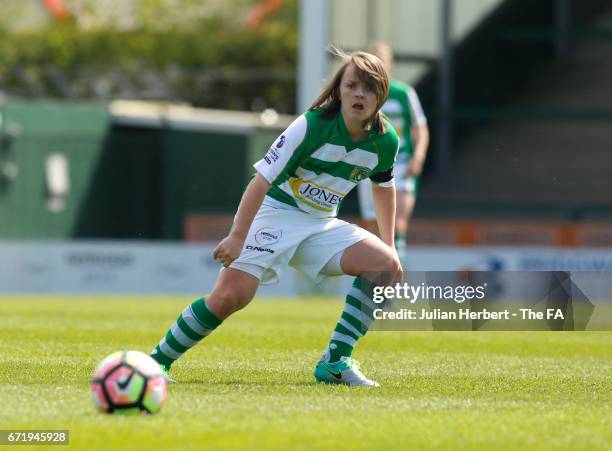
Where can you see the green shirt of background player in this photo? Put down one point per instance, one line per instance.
(404, 111)
(287, 217)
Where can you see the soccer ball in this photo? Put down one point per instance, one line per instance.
(128, 382)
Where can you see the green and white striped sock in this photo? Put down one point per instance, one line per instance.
(354, 321)
(193, 324)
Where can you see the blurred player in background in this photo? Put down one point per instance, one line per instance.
(406, 114)
(287, 216)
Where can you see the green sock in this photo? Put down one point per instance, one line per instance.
(193, 324)
(354, 321)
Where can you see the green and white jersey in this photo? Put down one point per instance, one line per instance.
(404, 110)
(314, 164)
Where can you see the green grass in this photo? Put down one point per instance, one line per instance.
(250, 384)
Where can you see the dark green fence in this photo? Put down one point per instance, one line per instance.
(130, 175)
(31, 133)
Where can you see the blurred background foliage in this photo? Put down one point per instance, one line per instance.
(216, 54)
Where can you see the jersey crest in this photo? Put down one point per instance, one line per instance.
(358, 174)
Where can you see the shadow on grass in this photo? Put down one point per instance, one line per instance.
(246, 382)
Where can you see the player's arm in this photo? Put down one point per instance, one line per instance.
(230, 247)
(383, 195)
(273, 163)
(419, 133)
(420, 137)
(384, 206)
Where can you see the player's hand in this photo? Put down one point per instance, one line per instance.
(415, 167)
(228, 250)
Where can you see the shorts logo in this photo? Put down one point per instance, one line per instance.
(268, 235)
(281, 142)
(317, 196)
(358, 174)
(259, 249)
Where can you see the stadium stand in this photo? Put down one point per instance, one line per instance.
(534, 140)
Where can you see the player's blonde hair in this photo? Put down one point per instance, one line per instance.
(370, 71)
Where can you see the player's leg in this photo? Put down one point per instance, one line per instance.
(234, 290)
(373, 263)
(356, 252)
(270, 243)
(404, 206)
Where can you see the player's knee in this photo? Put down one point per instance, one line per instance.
(229, 299)
(395, 265)
(388, 262)
(388, 271)
(392, 264)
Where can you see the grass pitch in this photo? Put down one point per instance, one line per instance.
(250, 384)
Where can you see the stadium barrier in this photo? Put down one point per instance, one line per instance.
(136, 267)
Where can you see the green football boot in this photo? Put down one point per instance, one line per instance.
(345, 371)
(165, 369)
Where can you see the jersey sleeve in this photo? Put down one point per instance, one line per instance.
(384, 178)
(416, 110)
(284, 147)
(383, 173)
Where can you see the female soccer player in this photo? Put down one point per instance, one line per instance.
(404, 111)
(287, 217)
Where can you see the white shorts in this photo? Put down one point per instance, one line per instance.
(280, 237)
(403, 183)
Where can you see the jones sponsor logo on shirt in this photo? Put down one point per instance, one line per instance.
(317, 196)
(281, 141)
(268, 235)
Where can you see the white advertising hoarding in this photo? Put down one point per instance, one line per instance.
(118, 267)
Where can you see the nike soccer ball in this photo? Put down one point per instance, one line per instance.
(128, 382)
